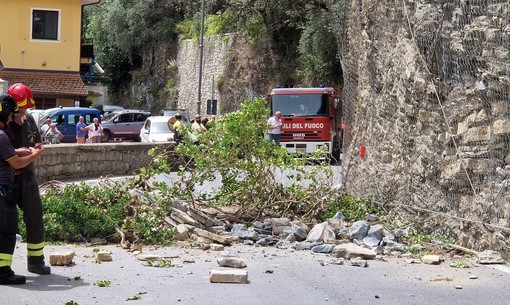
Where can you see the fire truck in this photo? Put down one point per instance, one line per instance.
(311, 120)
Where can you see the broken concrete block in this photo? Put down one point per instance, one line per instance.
(215, 237)
(104, 256)
(216, 247)
(228, 276)
(62, 258)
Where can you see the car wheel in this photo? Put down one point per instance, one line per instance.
(107, 135)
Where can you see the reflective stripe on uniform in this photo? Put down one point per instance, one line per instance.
(5, 259)
(35, 249)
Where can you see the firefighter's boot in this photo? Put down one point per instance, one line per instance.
(36, 265)
(7, 277)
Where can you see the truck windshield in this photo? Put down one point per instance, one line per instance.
(300, 104)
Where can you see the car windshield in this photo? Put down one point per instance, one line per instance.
(109, 116)
(42, 117)
(160, 127)
(300, 104)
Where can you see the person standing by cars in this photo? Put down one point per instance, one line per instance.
(45, 127)
(53, 135)
(24, 135)
(197, 126)
(81, 130)
(275, 127)
(95, 131)
(178, 129)
(9, 161)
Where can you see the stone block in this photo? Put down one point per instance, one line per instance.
(61, 258)
(228, 276)
(350, 250)
(104, 256)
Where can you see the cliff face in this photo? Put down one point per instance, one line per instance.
(427, 93)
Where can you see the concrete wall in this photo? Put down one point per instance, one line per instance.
(216, 49)
(81, 161)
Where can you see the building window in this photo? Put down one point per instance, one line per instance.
(45, 24)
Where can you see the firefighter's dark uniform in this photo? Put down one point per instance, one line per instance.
(8, 209)
(28, 197)
(8, 213)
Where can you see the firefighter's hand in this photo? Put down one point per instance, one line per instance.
(37, 151)
(23, 151)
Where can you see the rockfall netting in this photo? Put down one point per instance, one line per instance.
(427, 112)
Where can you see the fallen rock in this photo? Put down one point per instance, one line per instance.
(359, 263)
(62, 258)
(351, 250)
(321, 233)
(490, 257)
(228, 276)
(233, 262)
(431, 259)
(182, 232)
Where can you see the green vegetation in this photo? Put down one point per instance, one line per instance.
(103, 283)
(160, 263)
(252, 170)
(459, 265)
(303, 36)
(80, 212)
(353, 208)
(256, 175)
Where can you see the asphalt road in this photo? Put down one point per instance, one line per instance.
(276, 277)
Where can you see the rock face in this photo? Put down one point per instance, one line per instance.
(427, 93)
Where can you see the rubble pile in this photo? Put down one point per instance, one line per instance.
(357, 242)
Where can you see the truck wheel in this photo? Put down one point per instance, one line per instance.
(107, 135)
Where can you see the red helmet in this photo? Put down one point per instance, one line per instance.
(22, 95)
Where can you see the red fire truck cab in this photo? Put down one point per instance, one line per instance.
(311, 120)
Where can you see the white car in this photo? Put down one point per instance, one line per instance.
(155, 130)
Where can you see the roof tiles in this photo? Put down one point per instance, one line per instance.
(55, 84)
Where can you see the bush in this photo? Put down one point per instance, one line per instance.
(353, 208)
(82, 210)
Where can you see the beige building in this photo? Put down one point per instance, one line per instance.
(41, 46)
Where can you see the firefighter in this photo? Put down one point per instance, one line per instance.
(8, 210)
(24, 134)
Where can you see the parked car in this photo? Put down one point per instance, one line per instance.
(35, 113)
(106, 109)
(155, 130)
(124, 124)
(172, 112)
(66, 119)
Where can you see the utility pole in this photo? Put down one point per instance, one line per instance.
(201, 46)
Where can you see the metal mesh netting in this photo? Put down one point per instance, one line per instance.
(426, 107)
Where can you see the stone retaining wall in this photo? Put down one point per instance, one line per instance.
(81, 161)
(426, 96)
